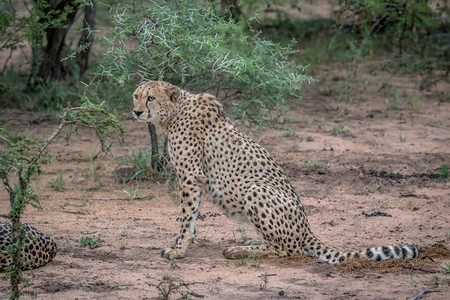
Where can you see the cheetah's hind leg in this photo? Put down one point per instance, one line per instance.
(258, 251)
(258, 208)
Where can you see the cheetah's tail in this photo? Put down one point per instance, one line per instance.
(316, 248)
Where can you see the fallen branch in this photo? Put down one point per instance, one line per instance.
(194, 294)
(423, 292)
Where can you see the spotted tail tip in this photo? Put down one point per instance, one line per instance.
(392, 252)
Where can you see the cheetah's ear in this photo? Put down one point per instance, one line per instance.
(174, 93)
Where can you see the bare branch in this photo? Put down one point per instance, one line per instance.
(8, 189)
(423, 292)
(52, 137)
(231, 95)
(6, 61)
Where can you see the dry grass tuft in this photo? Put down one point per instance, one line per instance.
(434, 251)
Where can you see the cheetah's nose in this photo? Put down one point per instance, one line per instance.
(138, 112)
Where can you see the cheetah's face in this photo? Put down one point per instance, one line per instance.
(155, 101)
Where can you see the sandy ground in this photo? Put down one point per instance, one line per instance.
(358, 171)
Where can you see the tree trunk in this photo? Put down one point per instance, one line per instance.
(158, 161)
(154, 144)
(47, 64)
(86, 38)
(231, 7)
(16, 273)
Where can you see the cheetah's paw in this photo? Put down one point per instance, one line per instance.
(170, 253)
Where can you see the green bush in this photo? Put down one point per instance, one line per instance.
(416, 32)
(90, 242)
(58, 183)
(139, 167)
(443, 170)
(190, 44)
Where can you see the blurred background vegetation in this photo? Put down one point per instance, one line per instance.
(251, 54)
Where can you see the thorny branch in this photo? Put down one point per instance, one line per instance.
(52, 136)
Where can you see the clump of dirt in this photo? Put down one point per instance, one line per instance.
(427, 262)
(296, 259)
(434, 251)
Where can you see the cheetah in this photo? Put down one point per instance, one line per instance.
(38, 249)
(209, 154)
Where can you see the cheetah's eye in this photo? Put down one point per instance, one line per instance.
(150, 98)
(135, 96)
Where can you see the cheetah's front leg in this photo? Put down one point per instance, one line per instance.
(189, 204)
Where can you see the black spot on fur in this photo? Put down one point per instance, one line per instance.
(404, 252)
(386, 251)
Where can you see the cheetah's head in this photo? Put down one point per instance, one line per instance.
(155, 101)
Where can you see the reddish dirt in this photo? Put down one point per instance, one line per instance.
(380, 144)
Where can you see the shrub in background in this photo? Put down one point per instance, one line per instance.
(417, 32)
(190, 44)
